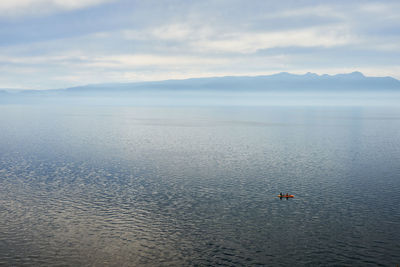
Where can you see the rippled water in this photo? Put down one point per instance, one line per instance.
(125, 186)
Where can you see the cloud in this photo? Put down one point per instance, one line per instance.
(14, 8)
(112, 61)
(91, 41)
(126, 61)
(309, 11)
(252, 42)
(177, 32)
(381, 8)
(206, 39)
(35, 60)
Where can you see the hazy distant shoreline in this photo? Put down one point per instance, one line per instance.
(282, 88)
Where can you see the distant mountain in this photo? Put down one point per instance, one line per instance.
(354, 81)
(281, 82)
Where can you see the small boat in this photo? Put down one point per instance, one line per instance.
(288, 196)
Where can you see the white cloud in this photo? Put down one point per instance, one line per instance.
(170, 32)
(310, 11)
(79, 58)
(381, 8)
(142, 60)
(251, 42)
(207, 39)
(13, 8)
(195, 40)
(66, 58)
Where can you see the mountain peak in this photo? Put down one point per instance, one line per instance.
(353, 75)
(311, 74)
(357, 73)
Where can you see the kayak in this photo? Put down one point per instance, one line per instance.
(289, 196)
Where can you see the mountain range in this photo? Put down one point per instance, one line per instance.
(283, 81)
(283, 87)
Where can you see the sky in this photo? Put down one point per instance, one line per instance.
(48, 44)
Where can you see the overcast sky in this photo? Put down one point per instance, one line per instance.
(57, 43)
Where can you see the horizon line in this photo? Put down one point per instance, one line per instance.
(199, 77)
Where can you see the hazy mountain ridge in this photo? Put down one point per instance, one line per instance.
(283, 81)
(282, 88)
(277, 82)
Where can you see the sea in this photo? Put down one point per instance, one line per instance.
(93, 185)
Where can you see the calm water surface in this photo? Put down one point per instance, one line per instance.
(126, 186)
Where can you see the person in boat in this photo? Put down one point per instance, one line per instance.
(287, 195)
(281, 195)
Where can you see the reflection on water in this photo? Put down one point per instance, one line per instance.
(126, 186)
